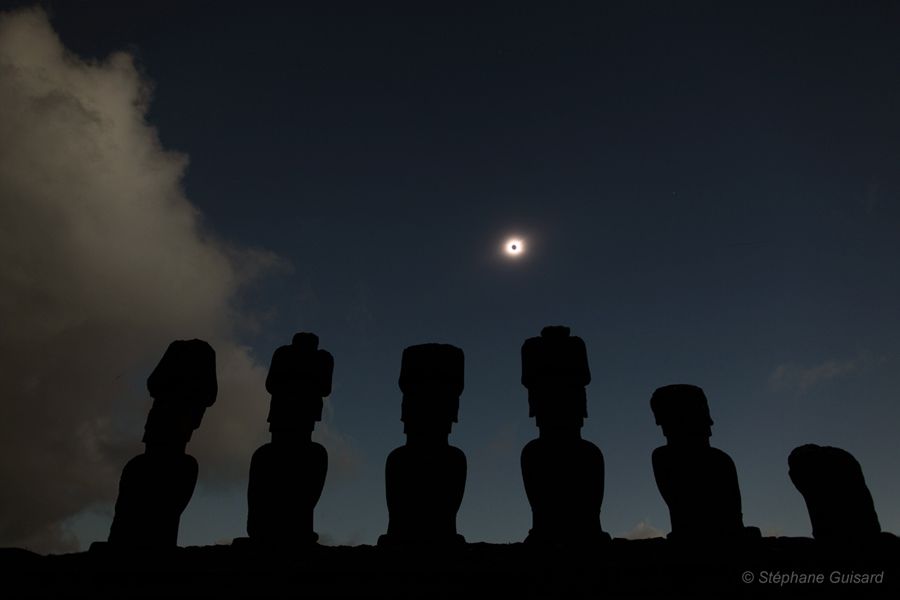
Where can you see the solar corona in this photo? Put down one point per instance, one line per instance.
(514, 247)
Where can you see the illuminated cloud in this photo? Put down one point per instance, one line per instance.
(103, 261)
(643, 530)
(802, 378)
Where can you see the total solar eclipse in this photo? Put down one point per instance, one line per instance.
(514, 247)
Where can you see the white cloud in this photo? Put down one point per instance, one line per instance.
(103, 261)
(643, 530)
(802, 378)
(344, 459)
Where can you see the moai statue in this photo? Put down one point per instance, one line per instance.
(698, 482)
(287, 474)
(157, 485)
(838, 501)
(563, 473)
(426, 478)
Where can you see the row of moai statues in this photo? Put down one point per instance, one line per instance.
(425, 479)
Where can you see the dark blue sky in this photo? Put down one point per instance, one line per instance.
(709, 195)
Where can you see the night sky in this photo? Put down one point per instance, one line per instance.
(707, 194)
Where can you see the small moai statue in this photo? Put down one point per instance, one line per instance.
(838, 501)
(287, 474)
(699, 483)
(562, 472)
(425, 479)
(157, 485)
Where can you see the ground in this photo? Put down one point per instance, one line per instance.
(779, 567)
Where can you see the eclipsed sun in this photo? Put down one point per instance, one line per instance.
(514, 247)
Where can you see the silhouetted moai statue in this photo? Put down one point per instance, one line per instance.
(287, 474)
(156, 486)
(563, 473)
(426, 478)
(837, 498)
(698, 482)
